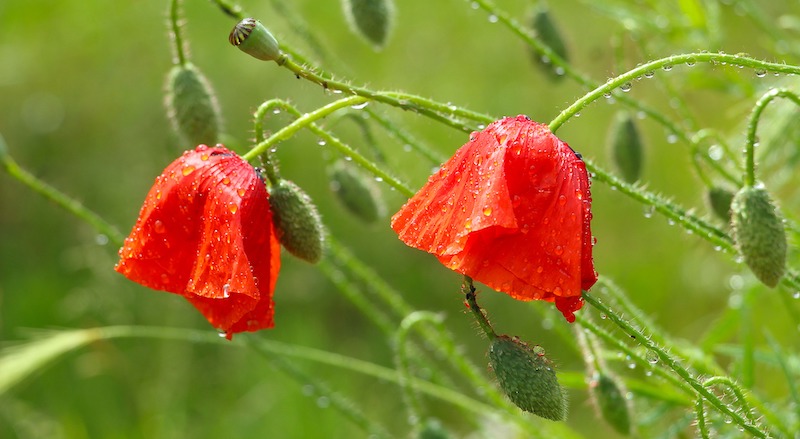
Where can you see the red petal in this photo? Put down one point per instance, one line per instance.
(511, 209)
(205, 231)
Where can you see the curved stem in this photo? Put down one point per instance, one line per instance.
(752, 126)
(673, 364)
(700, 414)
(472, 302)
(175, 32)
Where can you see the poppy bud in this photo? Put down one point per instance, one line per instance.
(252, 38)
(759, 234)
(297, 222)
(719, 202)
(546, 32)
(527, 378)
(608, 397)
(372, 19)
(625, 147)
(357, 192)
(191, 105)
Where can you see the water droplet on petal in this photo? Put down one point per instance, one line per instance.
(158, 226)
(187, 170)
(233, 207)
(487, 211)
(226, 291)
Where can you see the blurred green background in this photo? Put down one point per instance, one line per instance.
(81, 92)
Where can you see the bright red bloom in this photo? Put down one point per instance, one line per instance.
(511, 209)
(205, 231)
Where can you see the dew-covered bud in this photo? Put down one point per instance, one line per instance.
(608, 396)
(527, 378)
(719, 202)
(192, 106)
(759, 234)
(358, 193)
(252, 38)
(548, 33)
(625, 147)
(372, 19)
(297, 222)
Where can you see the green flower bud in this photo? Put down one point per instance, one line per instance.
(297, 222)
(759, 234)
(191, 106)
(625, 147)
(252, 38)
(372, 19)
(433, 429)
(609, 399)
(357, 192)
(527, 378)
(719, 202)
(548, 33)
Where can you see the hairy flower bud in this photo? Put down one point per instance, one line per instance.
(191, 106)
(548, 33)
(252, 38)
(297, 222)
(357, 192)
(372, 19)
(719, 202)
(609, 399)
(759, 234)
(625, 147)
(527, 378)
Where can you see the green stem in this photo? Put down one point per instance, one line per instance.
(673, 364)
(472, 301)
(178, 44)
(60, 199)
(700, 414)
(307, 121)
(752, 126)
(737, 391)
(406, 138)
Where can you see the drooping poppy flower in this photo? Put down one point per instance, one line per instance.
(511, 209)
(205, 231)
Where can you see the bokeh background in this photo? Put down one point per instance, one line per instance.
(81, 106)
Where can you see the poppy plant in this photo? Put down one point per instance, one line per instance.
(510, 209)
(205, 232)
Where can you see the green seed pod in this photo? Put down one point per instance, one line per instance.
(252, 38)
(609, 399)
(625, 147)
(527, 378)
(357, 192)
(297, 222)
(719, 202)
(759, 234)
(548, 33)
(372, 19)
(191, 106)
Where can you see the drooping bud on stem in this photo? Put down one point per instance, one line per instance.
(357, 192)
(527, 377)
(297, 222)
(625, 147)
(759, 234)
(252, 38)
(192, 106)
(608, 396)
(372, 19)
(719, 202)
(548, 33)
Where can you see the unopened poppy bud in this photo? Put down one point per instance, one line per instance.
(759, 234)
(609, 399)
(191, 106)
(719, 202)
(252, 38)
(527, 378)
(548, 33)
(357, 192)
(625, 147)
(372, 19)
(297, 222)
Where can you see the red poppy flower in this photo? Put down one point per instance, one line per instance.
(205, 232)
(510, 209)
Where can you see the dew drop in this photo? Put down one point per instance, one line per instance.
(761, 73)
(648, 211)
(691, 62)
(487, 211)
(626, 87)
(652, 357)
(226, 291)
(715, 152)
(562, 200)
(233, 208)
(559, 250)
(101, 239)
(607, 95)
(240, 191)
(672, 138)
(539, 269)
(204, 156)
(164, 278)
(360, 106)
(321, 142)
(158, 227)
(667, 67)
(493, 18)
(796, 295)
(158, 195)
(649, 74)
(468, 224)
(323, 402)
(187, 170)
(226, 181)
